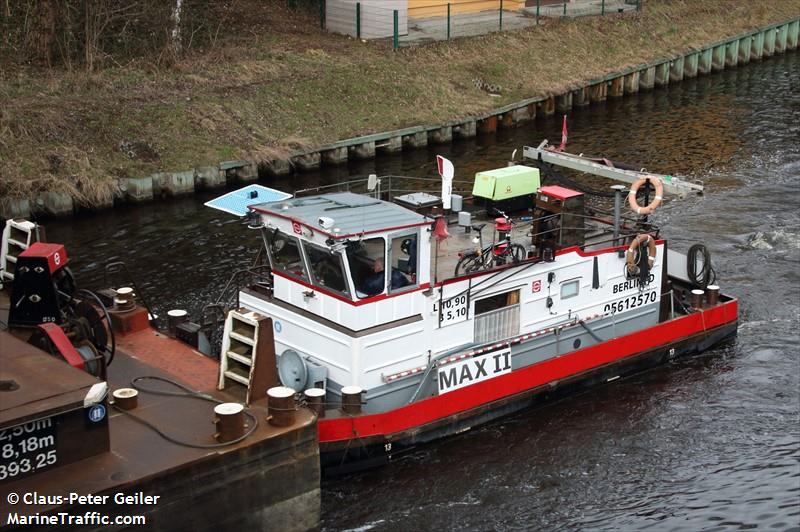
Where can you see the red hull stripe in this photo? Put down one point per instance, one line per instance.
(433, 408)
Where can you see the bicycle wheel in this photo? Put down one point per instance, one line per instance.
(518, 253)
(470, 263)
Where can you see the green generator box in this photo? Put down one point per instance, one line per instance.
(508, 189)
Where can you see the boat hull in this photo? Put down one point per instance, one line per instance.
(349, 443)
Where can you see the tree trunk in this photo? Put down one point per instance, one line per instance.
(176, 27)
(45, 31)
(90, 38)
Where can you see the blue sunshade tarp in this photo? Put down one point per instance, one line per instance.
(236, 202)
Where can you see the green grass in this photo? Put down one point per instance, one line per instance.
(260, 95)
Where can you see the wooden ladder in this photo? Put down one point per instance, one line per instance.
(248, 354)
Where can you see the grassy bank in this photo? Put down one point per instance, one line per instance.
(280, 84)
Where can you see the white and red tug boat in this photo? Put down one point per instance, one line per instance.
(398, 336)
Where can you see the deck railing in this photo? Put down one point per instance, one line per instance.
(388, 187)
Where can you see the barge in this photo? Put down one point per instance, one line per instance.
(109, 424)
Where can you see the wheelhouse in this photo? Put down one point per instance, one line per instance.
(347, 246)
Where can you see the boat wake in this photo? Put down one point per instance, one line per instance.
(778, 239)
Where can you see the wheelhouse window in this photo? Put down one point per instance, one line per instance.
(497, 317)
(570, 288)
(403, 259)
(366, 259)
(327, 268)
(285, 255)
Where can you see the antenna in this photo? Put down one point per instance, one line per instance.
(447, 171)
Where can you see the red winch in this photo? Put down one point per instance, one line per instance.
(44, 297)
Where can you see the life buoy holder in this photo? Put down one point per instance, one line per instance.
(653, 205)
(630, 254)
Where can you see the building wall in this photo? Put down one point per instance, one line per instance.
(438, 8)
(377, 17)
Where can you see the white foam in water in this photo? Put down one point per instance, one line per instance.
(774, 239)
(367, 526)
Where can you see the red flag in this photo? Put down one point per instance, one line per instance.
(563, 135)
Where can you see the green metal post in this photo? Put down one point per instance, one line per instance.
(448, 21)
(501, 15)
(358, 20)
(603, 7)
(538, 5)
(638, 5)
(322, 14)
(565, 8)
(396, 30)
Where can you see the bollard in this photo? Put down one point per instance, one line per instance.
(126, 398)
(124, 299)
(712, 295)
(229, 420)
(351, 400)
(280, 406)
(315, 400)
(696, 301)
(174, 318)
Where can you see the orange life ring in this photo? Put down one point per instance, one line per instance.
(630, 254)
(647, 209)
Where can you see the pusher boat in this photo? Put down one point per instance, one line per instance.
(378, 321)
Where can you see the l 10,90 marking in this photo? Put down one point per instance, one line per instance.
(454, 310)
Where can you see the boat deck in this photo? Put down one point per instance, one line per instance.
(445, 253)
(138, 454)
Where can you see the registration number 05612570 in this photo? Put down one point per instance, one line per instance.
(630, 302)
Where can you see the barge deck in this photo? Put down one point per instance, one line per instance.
(270, 479)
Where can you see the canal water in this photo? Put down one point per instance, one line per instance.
(706, 443)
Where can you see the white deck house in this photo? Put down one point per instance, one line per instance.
(353, 293)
